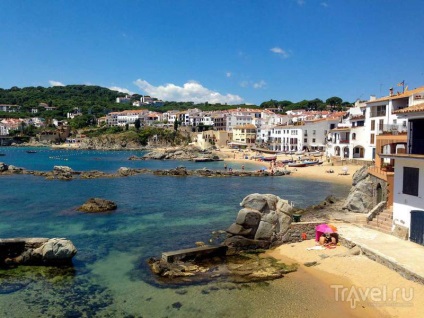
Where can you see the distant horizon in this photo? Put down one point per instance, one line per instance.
(221, 51)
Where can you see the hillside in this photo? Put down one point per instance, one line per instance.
(93, 100)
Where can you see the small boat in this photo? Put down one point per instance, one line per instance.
(269, 158)
(311, 162)
(297, 164)
(299, 152)
(31, 151)
(315, 153)
(287, 161)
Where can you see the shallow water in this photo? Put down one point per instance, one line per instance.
(155, 214)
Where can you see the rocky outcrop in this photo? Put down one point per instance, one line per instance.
(36, 251)
(239, 268)
(95, 205)
(263, 221)
(360, 198)
(183, 153)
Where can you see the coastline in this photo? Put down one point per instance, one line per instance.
(337, 269)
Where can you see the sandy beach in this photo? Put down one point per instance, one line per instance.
(363, 285)
(317, 172)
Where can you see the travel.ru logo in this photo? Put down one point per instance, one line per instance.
(374, 296)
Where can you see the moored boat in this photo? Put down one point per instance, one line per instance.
(269, 158)
(31, 151)
(297, 164)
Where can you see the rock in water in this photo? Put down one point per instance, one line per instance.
(56, 250)
(98, 205)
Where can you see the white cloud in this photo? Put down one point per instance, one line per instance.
(260, 84)
(283, 53)
(228, 74)
(120, 89)
(190, 91)
(324, 4)
(56, 83)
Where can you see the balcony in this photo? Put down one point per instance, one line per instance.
(345, 141)
(392, 129)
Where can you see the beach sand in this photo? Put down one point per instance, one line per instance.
(342, 274)
(317, 172)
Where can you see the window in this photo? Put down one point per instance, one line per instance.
(372, 139)
(381, 124)
(313, 139)
(410, 180)
(305, 140)
(372, 124)
(354, 136)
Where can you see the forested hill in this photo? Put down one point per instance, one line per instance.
(94, 99)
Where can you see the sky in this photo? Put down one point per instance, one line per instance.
(220, 51)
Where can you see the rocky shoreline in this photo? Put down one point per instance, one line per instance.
(263, 222)
(67, 173)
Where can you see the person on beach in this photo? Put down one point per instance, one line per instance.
(242, 167)
(225, 167)
(329, 239)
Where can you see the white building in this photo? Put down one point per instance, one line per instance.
(408, 200)
(123, 100)
(4, 130)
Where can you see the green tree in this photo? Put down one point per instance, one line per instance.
(334, 101)
(137, 124)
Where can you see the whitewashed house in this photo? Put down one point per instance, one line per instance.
(408, 201)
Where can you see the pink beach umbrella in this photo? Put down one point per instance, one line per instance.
(321, 229)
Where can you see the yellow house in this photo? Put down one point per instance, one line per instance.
(244, 135)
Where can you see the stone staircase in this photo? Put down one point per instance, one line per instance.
(382, 221)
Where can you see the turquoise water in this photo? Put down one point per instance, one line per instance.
(155, 214)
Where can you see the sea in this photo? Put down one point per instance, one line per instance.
(109, 276)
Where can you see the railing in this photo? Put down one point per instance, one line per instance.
(391, 129)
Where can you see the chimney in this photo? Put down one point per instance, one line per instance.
(391, 91)
(372, 98)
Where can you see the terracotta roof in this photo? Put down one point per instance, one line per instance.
(411, 109)
(401, 95)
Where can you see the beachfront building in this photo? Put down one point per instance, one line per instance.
(349, 139)
(408, 214)
(285, 138)
(244, 135)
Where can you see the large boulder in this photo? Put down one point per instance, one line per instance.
(98, 205)
(263, 218)
(56, 250)
(359, 175)
(360, 198)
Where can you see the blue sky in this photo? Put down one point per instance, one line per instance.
(217, 50)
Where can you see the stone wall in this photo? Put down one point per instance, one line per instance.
(384, 187)
(296, 230)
